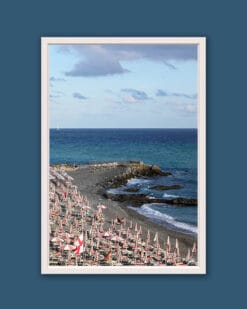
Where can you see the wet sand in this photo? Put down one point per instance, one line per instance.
(91, 181)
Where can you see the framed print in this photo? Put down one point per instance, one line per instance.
(123, 155)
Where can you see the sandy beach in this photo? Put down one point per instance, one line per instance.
(86, 227)
(91, 181)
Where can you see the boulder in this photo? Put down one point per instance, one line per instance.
(134, 190)
(137, 200)
(132, 199)
(168, 187)
(182, 201)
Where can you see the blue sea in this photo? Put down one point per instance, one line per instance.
(173, 150)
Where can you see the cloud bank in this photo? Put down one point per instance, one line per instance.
(135, 94)
(162, 93)
(79, 96)
(103, 60)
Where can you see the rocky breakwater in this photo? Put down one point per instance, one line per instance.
(137, 200)
(163, 188)
(134, 170)
(141, 170)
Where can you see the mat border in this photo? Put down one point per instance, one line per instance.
(201, 118)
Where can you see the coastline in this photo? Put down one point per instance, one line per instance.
(92, 181)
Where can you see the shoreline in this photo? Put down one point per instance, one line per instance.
(91, 180)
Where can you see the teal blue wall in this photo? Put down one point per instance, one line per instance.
(22, 23)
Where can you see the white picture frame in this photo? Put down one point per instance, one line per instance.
(81, 270)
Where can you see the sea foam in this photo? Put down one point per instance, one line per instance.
(169, 195)
(164, 219)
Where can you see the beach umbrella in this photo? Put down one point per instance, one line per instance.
(106, 234)
(69, 247)
(194, 248)
(79, 245)
(98, 243)
(188, 255)
(101, 227)
(113, 226)
(156, 237)
(148, 235)
(61, 223)
(96, 256)
(131, 224)
(57, 239)
(86, 207)
(147, 244)
(136, 229)
(69, 177)
(116, 239)
(60, 177)
(108, 256)
(178, 252)
(168, 243)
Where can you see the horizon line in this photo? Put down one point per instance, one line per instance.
(120, 128)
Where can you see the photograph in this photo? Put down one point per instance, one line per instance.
(123, 155)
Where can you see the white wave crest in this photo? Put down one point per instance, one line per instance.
(147, 211)
(169, 195)
(137, 181)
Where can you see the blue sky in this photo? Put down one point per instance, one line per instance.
(123, 86)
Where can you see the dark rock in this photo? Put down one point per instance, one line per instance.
(135, 170)
(182, 201)
(133, 199)
(171, 187)
(140, 199)
(132, 190)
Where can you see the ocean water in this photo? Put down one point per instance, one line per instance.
(174, 150)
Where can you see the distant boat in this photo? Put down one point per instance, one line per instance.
(58, 127)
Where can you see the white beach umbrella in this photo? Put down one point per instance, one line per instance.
(188, 255)
(69, 247)
(136, 229)
(86, 207)
(148, 235)
(168, 243)
(70, 178)
(101, 206)
(57, 239)
(178, 252)
(194, 248)
(156, 237)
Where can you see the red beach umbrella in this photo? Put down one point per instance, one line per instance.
(79, 245)
(108, 256)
